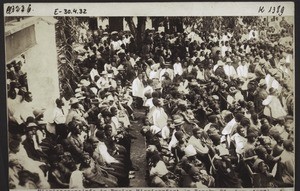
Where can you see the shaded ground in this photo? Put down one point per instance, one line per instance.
(138, 151)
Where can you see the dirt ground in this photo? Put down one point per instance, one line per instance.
(138, 151)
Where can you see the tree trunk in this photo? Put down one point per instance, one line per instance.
(141, 27)
(131, 25)
(139, 31)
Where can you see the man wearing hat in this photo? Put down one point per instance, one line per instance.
(166, 70)
(29, 145)
(190, 160)
(260, 69)
(39, 114)
(110, 80)
(103, 80)
(178, 121)
(74, 114)
(121, 76)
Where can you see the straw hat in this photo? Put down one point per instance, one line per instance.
(38, 112)
(85, 82)
(154, 129)
(73, 100)
(103, 72)
(178, 120)
(114, 32)
(262, 82)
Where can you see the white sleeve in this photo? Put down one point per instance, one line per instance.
(106, 156)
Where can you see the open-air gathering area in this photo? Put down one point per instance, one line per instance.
(178, 102)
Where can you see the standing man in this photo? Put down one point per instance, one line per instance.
(59, 119)
(177, 67)
(138, 90)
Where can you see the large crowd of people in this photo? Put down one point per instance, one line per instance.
(218, 112)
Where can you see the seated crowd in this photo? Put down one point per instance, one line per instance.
(218, 113)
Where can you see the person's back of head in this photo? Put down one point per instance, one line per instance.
(212, 118)
(238, 117)
(155, 94)
(100, 134)
(245, 122)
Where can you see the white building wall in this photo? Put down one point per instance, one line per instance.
(148, 23)
(102, 22)
(42, 73)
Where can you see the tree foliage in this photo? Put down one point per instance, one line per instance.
(66, 35)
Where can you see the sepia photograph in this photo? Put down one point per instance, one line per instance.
(137, 101)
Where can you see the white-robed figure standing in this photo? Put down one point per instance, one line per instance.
(138, 90)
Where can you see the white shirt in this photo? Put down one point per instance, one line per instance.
(132, 61)
(154, 74)
(242, 71)
(229, 70)
(76, 179)
(104, 153)
(165, 132)
(223, 50)
(149, 103)
(173, 141)
(159, 117)
(200, 148)
(162, 72)
(93, 73)
(177, 69)
(240, 143)
(116, 45)
(274, 108)
(138, 88)
(58, 116)
(229, 126)
(200, 75)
